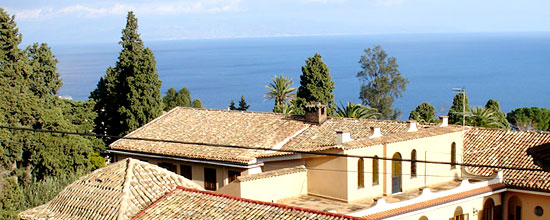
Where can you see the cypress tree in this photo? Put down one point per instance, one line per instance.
(129, 94)
(495, 106)
(455, 112)
(242, 105)
(316, 85)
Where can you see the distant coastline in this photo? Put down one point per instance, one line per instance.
(510, 67)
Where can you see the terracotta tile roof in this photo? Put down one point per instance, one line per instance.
(215, 127)
(273, 173)
(399, 137)
(435, 202)
(506, 148)
(185, 203)
(205, 131)
(118, 191)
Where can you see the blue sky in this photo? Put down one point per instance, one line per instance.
(82, 21)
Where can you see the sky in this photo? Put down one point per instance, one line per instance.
(85, 21)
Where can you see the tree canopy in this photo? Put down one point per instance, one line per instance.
(280, 90)
(128, 96)
(424, 112)
(456, 110)
(181, 98)
(29, 82)
(242, 105)
(352, 110)
(494, 105)
(316, 85)
(529, 119)
(381, 81)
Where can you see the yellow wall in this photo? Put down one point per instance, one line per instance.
(472, 207)
(269, 189)
(327, 177)
(436, 148)
(528, 203)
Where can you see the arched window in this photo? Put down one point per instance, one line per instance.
(413, 164)
(396, 173)
(488, 210)
(360, 173)
(375, 170)
(514, 208)
(459, 214)
(453, 155)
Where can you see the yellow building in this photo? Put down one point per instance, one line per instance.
(360, 167)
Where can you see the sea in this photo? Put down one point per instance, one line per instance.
(513, 68)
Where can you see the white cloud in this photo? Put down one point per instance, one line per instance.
(85, 10)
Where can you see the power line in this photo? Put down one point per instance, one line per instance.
(270, 149)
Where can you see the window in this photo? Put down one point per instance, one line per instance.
(375, 170)
(539, 211)
(459, 214)
(168, 166)
(453, 155)
(360, 173)
(186, 171)
(232, 175)
(488, 210)
(210, 179)
(413, 164)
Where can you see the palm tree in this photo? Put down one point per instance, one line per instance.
(352, 110)
(280, 90)
(484, 117)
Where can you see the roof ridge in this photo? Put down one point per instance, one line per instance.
(234, 111)
(507, 130)
(276, 205)
(155, 203)
(125, 189)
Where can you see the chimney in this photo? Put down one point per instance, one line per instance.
(375, 132)
(342, 137)
(443, 121)
(412, 126)
(316, 113)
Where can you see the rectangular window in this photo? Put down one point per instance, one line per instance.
(232, 175)
(210, 179)
(375, 170)
(186, 171)
(168, 166)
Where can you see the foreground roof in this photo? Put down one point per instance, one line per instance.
(118, 191)
(203, 133)
(508, 148)
(186, 203)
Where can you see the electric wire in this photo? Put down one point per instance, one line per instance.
(271, 149)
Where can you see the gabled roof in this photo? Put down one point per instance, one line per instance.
(205, 132)
(499, 147)
(118, 191)
(206, 129)
(186, 203)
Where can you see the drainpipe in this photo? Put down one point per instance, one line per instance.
(384, 171)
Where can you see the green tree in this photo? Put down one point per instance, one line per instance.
(197, 103)
(242, 105)
(381, 82)
(280, 90)
(129, 94)
(284, 108)
(173, 99)
(423, 113)
(316, 85)
(44, 78)
(495, 106)
(483, 117)
(460, 102)
(532, 118)
(352, 110)
(232, 105)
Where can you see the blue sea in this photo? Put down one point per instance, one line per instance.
(513, 68)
